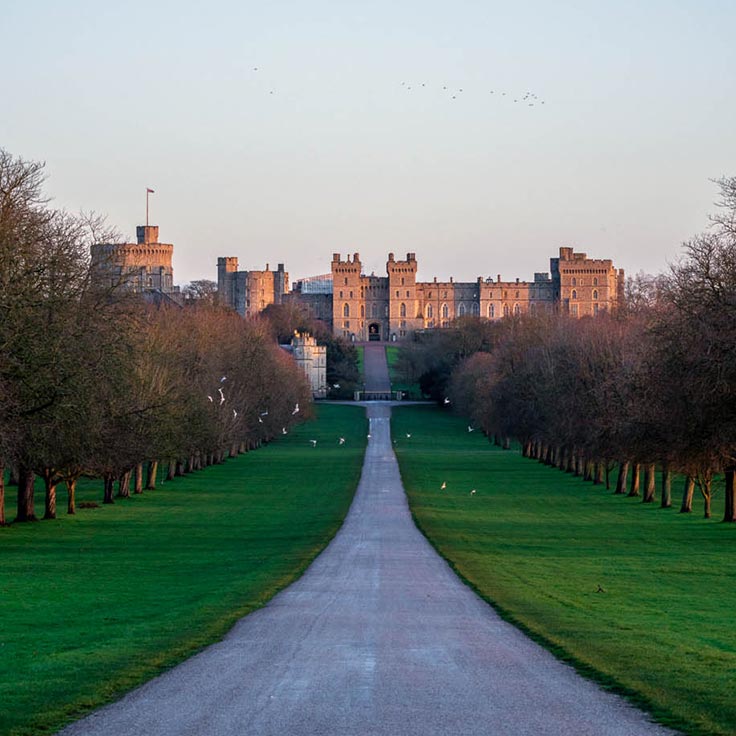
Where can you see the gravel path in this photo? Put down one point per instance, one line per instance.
(378, 637)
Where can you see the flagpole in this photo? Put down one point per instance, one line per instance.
(147, 193)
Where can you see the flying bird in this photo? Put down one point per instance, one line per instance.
(235, 414)
(260, 421)
(443, 486)
(296, 409)
(210, 398)
(223, 379)
(335, 385)
(222, 397)
(446, 401)
(264, 413)
(471, 429)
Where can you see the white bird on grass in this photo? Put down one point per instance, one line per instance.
(408, 436)
(446, 401)
(283, 430)
(443, 486)
(341, 441)
(314, 443)
(369, 436)
(471, 429)
(472, 493)
(222, 397)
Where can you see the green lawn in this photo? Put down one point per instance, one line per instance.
(538, 543)
(361, 363)
(97, 603)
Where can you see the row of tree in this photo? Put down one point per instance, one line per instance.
(95, 381)
(650, 387)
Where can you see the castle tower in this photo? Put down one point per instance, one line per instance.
(405, 312)
(585, 286)
(348, 293)
(143, 266)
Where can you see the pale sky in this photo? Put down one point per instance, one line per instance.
(323, 150)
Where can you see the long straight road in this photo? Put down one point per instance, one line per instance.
(378, 637)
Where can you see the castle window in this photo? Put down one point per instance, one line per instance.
(362, 311)
(445, 323)
(491, 311)
(346, 310)
(595, 309)
(517, 310)
(445, 313)
(407, 293)
(385, 311)
(402, 310)
(397, 293)
(430, 311)
(402, 324)
(475, 309)
(595, 281)
(346, 281)
(461, 310)
(574, 310)
(351, 294)
(517, 295)
(346, 324)
(505, 310)
(374, 310)
(445, 296)
(574, 294)
(505, 295)
(402, 280)
(595, 294)
(574, 281)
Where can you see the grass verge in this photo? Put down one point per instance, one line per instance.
(538, 544)
(97, 603)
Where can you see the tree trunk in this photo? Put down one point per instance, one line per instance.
(71, 492)
(608, 474)
(730, 509)
(666, 486)
(598, 480)
(2, 495)
(687, 495)
(179, 468)
(13, 476)
(50, 496)
(507, 443)
(190, 464)
(635, 479)
(108, 488)
(705, 490)
(151, 475)
(172, 470)
(623, 473)
(138, 486)
(650, 483)
(26, 510)
(570, 462)
(124, 485)
(587, 469)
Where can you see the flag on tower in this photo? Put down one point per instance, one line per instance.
(150, 191)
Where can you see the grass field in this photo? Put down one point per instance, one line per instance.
(361, 363)
(94, 604)
(538, 543)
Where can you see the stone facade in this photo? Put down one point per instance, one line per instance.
(312, 359)
(250, 292)
(144, 266)
(394, 307)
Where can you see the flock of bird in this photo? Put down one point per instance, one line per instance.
(340, 440)
(528, 98)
